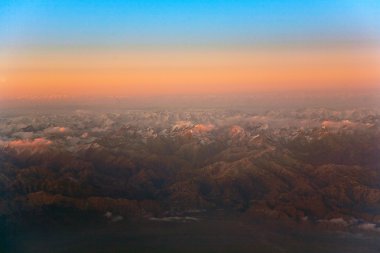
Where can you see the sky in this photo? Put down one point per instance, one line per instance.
(146, 47)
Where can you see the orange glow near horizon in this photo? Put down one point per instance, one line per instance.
(197, 71)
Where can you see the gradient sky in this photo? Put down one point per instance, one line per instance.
(135, 47)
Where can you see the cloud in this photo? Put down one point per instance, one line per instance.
(29, 143)
(369, 227)
(175, 218)
(117, 218)
(329, 124)
(57, 130)
(108, 215)
(203, 128)
(340, 221)
(33, 146)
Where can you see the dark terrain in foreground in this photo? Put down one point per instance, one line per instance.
(305, 180)
(212, 232)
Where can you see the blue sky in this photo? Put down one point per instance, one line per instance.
(166, 22)
(177, 47)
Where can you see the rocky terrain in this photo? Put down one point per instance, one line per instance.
(317, 166)
(314, 165)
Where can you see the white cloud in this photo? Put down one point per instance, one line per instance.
(369, 227)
